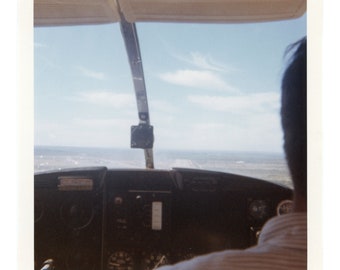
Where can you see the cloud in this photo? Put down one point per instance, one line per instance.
(106, 98)
(162, 106)
(208, 126)
(203, 79)
(93, 131)
(205, 62)
(257, 102)
(205, 74)
(255, 135)
(92, 74)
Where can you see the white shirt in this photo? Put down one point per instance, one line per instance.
(282, 245)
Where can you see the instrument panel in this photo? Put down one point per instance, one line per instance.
(94, 218)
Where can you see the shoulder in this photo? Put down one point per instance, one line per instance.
(257, 257)
(279, 237)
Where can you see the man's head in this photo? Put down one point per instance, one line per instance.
(294, 117)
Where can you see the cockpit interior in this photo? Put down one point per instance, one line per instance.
(101, 218)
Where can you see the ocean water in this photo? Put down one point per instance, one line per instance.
(267, 166)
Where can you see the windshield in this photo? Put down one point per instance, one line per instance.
(213, 93)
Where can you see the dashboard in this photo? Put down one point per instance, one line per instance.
(98, 218)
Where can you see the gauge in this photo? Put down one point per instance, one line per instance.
(154, 260)
(77, 214)
(284, 207)
(259, 209)
(120, 260)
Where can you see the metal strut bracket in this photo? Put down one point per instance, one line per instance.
(129, 33)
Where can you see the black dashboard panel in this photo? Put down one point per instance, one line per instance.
(68, 216)
(94, 218)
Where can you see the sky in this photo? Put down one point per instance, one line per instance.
(209, 86)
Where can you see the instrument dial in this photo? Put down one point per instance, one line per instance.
(154, 260)
(120, 260)
(284, 207)
(77, 213)
(259, 209)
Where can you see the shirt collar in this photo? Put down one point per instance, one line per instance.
(289, 230)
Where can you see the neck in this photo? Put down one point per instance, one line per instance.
(300, 204)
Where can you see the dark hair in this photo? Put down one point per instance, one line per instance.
(294, 115)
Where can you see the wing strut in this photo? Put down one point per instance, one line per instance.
(141, 135)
